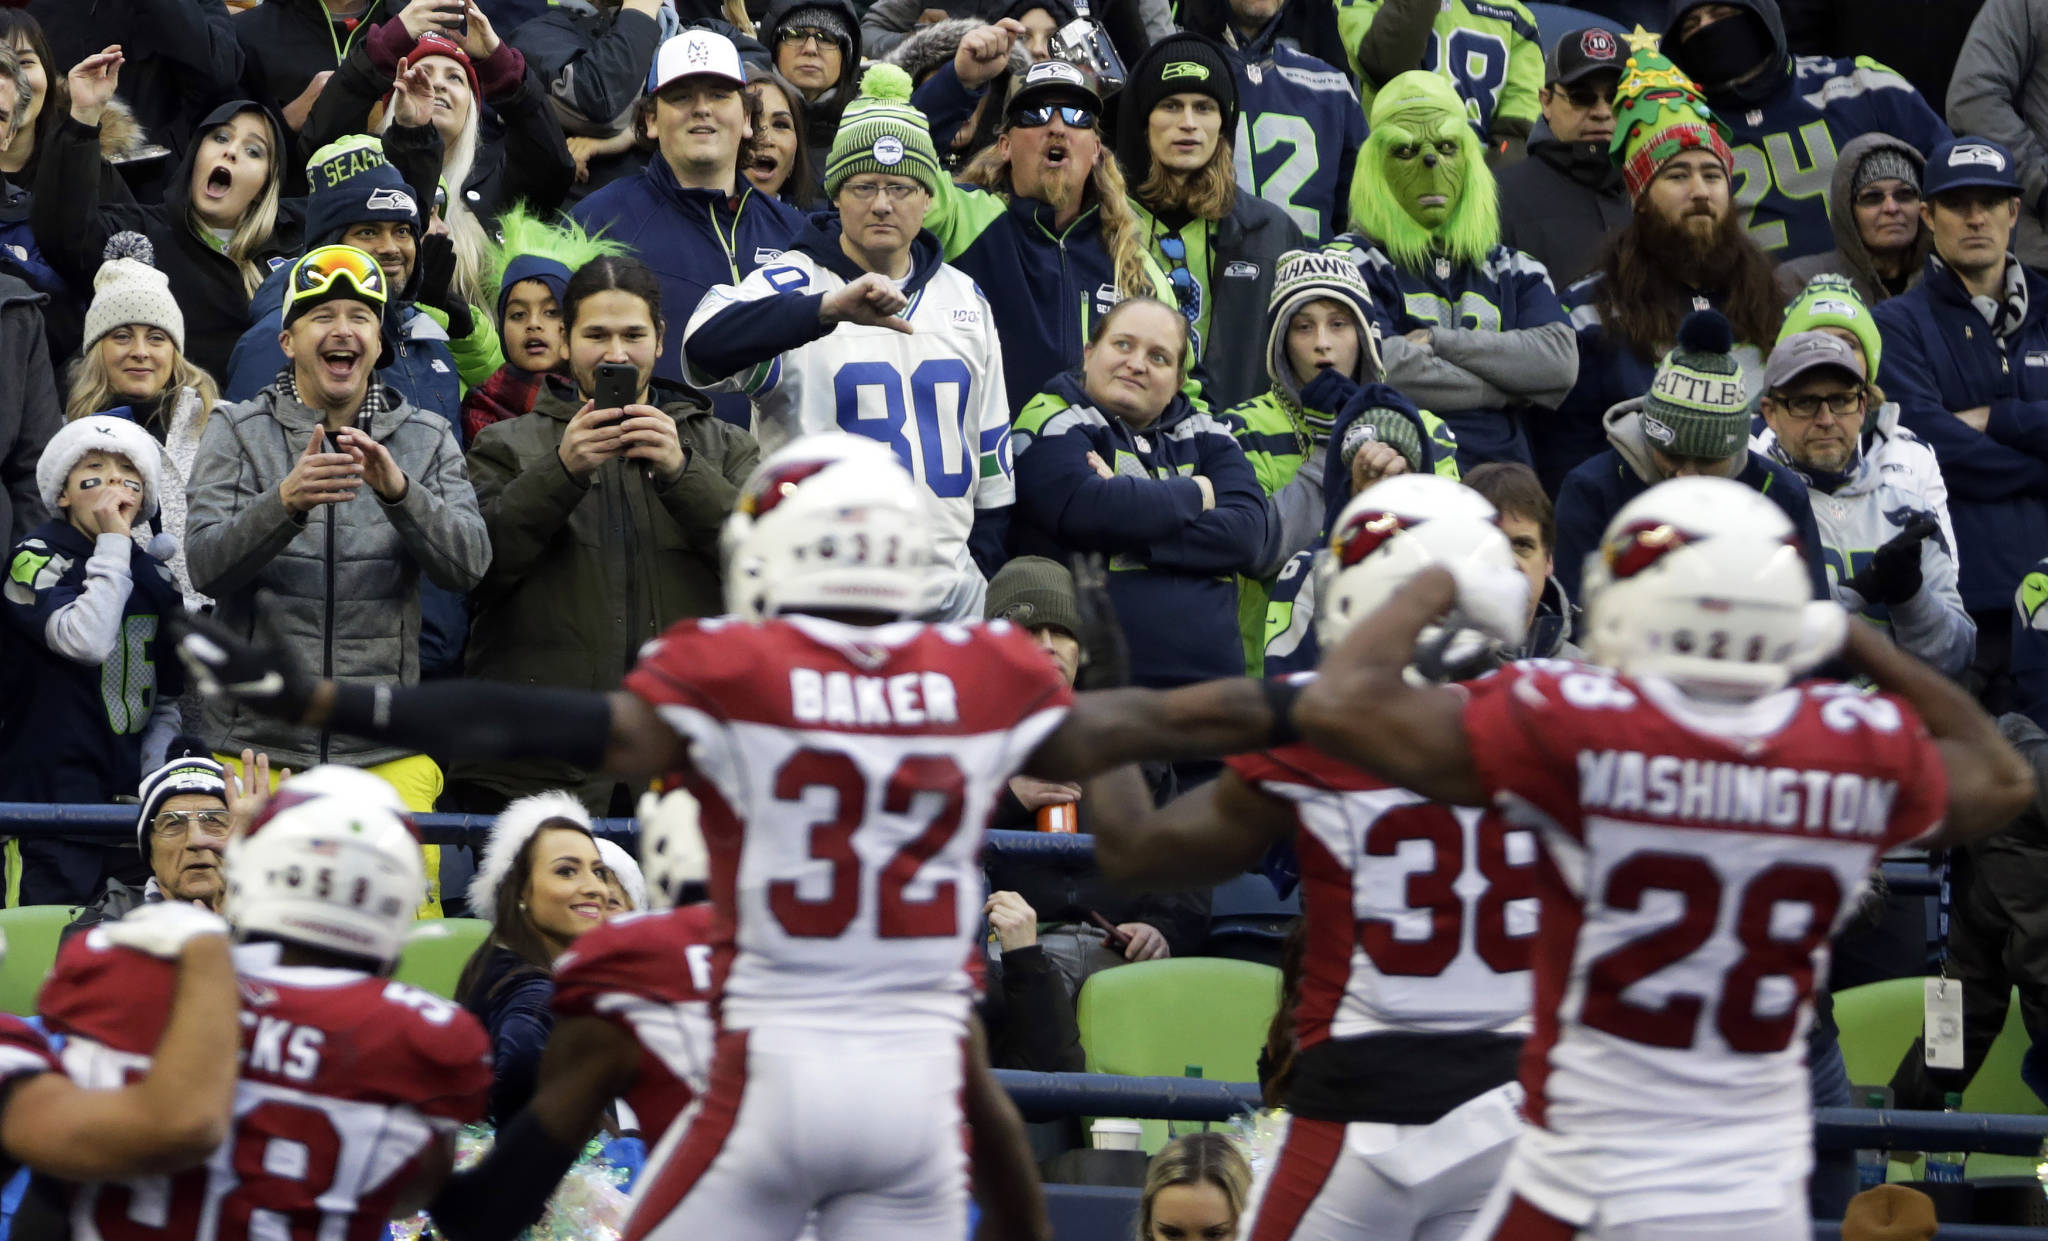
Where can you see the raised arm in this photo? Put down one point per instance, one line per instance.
(1361, 707)
(177, 1113)
(1989, 784)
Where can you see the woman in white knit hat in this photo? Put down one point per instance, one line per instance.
(133, 366)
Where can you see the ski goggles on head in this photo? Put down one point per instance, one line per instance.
(317, 276)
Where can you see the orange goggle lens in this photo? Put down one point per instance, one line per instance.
(317, 272)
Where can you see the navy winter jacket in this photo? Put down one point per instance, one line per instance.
(514, 1002)
(692, 239)
(1173, 566)
(1939, 357)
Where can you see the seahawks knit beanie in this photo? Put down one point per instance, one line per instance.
(1831, 301)
(1381, 425)
(1031, 592)
(191, 775)
(1180, 64)
(129, 289)
(1697, 405)
(1304, 276)
(881, 132)
(1885, 164)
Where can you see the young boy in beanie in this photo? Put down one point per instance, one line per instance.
(1695, 419)
(529, 269)
(92, 687)
(866, 303)
(1320, 321)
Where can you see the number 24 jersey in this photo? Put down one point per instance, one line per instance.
(1696, 865)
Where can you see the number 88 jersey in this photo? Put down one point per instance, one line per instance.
(1696, 864)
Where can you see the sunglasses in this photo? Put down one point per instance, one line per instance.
(1584, 97)
(1905, 196)
(1175, 251)
(797, 36)
(1072, 117)
(317, 272)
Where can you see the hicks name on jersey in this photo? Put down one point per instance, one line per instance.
(1840, 803)
(278, 1048)
(845, 698)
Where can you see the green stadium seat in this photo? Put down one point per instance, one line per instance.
(1158, 1018)
(32, 935)
(1879, 1022)
(437, 951)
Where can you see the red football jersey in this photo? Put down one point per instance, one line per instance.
(346, 1082)
(650, 975)
(847, 774)
(24, 1052)
(1698, 859)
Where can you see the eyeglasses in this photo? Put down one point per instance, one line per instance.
(317, 272)
(865, 191)
(797, 36)
(177, 824)
(1584, 97)
(1905, 196)
(1806, 408)
(1073, 117)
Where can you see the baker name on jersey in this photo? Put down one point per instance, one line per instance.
(280, 1049)
(1840, 803)
(861, 702)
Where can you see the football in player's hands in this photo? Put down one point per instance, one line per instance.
(223, 664)
(163, 929)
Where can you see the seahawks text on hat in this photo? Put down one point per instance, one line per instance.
(1974, 154)
(1699, 391)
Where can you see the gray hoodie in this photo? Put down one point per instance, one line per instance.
(1850, 259)
(340, 585)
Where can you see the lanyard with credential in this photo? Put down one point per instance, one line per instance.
(731, 244)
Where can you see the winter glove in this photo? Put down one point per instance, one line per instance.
(1323, 400)
(163, 929)
(1105, 656)
(1893, 575)
(222, 664)
(436, 264)
(673, 853)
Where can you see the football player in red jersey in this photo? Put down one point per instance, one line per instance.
(846, 758)
(1706, 825)
(1414, 994)
(350, 1086)
(170, 1118)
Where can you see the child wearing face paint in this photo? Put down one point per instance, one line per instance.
(91, 692)
(529, 269)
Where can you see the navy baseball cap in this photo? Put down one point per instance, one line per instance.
(1962, 163)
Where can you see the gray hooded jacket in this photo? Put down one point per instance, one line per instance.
(340, 585)
(1850, 259)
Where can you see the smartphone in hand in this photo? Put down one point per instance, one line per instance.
(618, 385)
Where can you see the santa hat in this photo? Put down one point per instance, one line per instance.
(516, 825)
(621, 864)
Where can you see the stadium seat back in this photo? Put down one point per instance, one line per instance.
(1157, 1018)
(1878, 1021)
(437, 951)
(33, 932)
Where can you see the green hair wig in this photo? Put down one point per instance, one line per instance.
(1410, 105)
(522, 233)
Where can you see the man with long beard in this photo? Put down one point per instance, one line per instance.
(1684, 249)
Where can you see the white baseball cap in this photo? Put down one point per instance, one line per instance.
(695, 53)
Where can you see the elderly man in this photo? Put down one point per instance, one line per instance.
(190, 806)
(1885, 552)
(1879, 243)
(1559, 205)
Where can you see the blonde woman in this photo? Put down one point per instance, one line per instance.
(134, 366)
(1050, 214)
(218, 231)
(1195, 1190)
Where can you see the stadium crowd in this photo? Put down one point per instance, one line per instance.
(442, 338)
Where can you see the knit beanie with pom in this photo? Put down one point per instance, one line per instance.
(1698, 405)
(130, 289)
(881, 131)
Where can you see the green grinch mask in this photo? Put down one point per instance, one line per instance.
(1422, 190)
(1425, 168)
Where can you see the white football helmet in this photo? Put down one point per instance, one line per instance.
(672, 852)
(1396, 528)
(827, 522)
(333, 870)
(1701, 581)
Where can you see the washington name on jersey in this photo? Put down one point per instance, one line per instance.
(846, 779)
